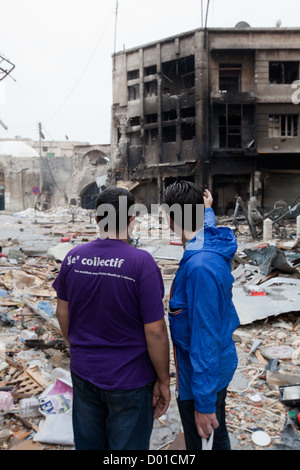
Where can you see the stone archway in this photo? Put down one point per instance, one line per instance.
(89, 196)
(94, 157)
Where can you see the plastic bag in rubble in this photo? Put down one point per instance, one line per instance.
(56, 429)
(55, 404)
(57, 398)
(6, 402)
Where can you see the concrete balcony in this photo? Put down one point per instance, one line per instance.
(246, 95)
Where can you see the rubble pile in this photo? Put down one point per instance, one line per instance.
(263, 402)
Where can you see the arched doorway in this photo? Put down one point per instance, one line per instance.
(2, 197)
(2, 190)
(89, 196)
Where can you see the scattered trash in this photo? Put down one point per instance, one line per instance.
(261, 438)
(46, 307)
(65, 239)
(290, 395)
(269, 257)
(34, 363)
(290, 437)
(56, 429)
(29, 407)
(6, 402)
(59, 252)
(280, 352)
(6, 320)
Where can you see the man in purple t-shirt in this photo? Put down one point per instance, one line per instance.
(110, 309)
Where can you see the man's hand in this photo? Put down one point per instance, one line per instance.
(205, 423)
(208, 200)
(158, 349)
(161, 398)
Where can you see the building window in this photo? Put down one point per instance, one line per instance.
(133, 74)
(135, 121)
(169, 115)
(187, 131)
(178, 75)
(150, 89)
(150, 70)
(230, 127)
(230, 77)
(188, 112)
(283, 73)
(150, 118)
(283, 125)
(169, 134)
(133, 92)
(151, 136)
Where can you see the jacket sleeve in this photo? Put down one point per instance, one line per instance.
(205, 343)
(209, 217)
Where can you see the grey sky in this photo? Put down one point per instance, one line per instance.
(62, 53)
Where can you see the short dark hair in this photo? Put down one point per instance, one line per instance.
(188, 196)
(111, 197)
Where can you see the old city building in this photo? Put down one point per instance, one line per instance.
(217, 106)
(64, 172)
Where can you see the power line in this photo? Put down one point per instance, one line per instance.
(82, 73)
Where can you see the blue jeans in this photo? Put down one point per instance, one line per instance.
(192, 439)
(111, 420)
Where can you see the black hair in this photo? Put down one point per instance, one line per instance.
(114, 204)
(188, 196)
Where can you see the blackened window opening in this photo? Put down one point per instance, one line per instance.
(178, 75)
(230, 76)
(283, 73)
(169, 134)
(230, 127)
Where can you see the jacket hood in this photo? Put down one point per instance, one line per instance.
(220, 240)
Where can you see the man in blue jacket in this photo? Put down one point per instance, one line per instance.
(202, 317)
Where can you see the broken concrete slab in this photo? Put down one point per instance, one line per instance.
(269, 257)
(279, 299)
(60, 251)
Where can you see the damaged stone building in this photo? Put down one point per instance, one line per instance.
(66, 173)
(216, 106)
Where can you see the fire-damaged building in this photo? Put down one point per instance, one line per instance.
(215, 106)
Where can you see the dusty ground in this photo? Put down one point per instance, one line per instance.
(253, 402)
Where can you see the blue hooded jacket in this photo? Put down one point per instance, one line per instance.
(202, 316)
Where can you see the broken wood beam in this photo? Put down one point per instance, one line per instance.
(38, 311)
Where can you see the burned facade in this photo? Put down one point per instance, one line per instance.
(214, 106)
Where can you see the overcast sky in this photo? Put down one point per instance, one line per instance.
(62, 54)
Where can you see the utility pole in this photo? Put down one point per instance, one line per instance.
(115, 38)
(41, 136)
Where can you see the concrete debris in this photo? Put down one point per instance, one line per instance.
(267, 278)
(59, 252)
(34, 358)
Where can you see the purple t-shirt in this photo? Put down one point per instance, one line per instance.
(112, 290)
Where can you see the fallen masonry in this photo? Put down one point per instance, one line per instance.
(35, 389)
